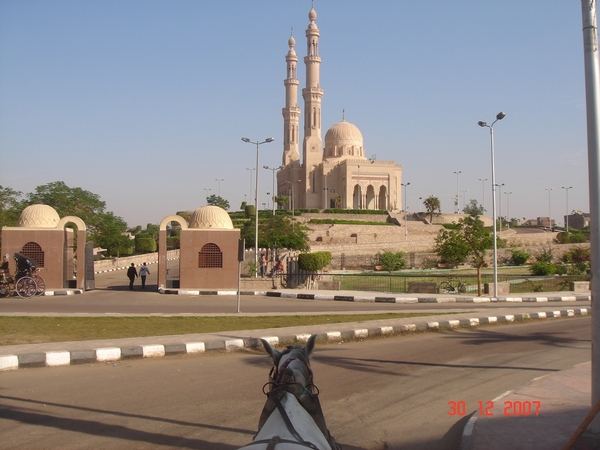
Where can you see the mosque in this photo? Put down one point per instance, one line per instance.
(338, 175)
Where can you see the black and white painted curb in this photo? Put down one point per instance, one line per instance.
(384, 299)
(107, 354)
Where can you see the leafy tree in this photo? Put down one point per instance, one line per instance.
(392, 261)
(69, 201)
(215, 200)
(243, 206)
(10, 206)
(276, 232)
(470, 239)
(282, 200)
(110, 233)
(432, 204)
(315, 261)
(337, 199)
(186, 215)
(474, 208)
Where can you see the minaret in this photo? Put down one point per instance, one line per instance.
(291, 112)
(312, 150)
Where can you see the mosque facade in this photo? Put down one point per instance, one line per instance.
(337, 174)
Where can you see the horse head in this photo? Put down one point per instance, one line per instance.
(291, 366)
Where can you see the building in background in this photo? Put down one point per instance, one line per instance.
(339, 174)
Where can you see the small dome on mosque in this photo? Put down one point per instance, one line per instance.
(39, 216)
(343, 133)
(212, 217)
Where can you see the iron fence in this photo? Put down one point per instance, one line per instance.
(464, 284)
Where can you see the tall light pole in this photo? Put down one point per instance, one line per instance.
(405, 211)
(251, 169)
(456, 200)
(207, 190)
(567, 211)
(273, 169)
(464, 191)
(483, 180)
(257, 143)
(549, 216)
(420, 204)
(500, 204)
(499, 116)
(508, 207)
(219, 181)
(292, 200)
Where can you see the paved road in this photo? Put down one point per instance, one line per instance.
(113, 296)
(378, 394)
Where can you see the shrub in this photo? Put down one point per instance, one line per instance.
(519, 257)
(577, 254)
(312, 262)
(561, 269)
(250, 211)
(542, 268)
(545, 255)
(392, 261)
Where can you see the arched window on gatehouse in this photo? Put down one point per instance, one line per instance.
(210, 257)
(34, 251)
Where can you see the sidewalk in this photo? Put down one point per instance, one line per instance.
(563, 397)
(542, 414)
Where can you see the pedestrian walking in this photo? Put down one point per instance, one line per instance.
(144, 271)
(131, 274)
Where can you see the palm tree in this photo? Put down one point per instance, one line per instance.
(432, 204)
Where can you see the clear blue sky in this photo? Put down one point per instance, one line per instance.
(145, 102)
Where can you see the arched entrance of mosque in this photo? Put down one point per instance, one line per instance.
(357, 197)
(370, 201)
(77, 257)
(383, 198)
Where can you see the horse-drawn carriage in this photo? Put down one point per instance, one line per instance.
(25, 282)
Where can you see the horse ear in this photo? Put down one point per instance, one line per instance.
(275, 354)
(310, 344)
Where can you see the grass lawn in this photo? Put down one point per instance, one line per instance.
(34, 330)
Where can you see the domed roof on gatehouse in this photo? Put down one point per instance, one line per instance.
(343, 133)
(212, 217)
(39, 216)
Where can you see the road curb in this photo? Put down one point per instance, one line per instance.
(59, 358)
(382, 299)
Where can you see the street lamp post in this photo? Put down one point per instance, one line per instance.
(219, 181)
(499, 116)
(257, 143)
(273, 169)
(464, 191)
(549, 216)
(405, 211)
(567, 211)
(456, 210)
(251, 169)
(508, 207)
(207, 190)
(483, 180)
(500, 204)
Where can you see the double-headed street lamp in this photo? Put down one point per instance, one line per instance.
(499, 116)
(218, 180)
(273, 169)
(257, 143)
(483, 180)
(207, 191)
(508, 207)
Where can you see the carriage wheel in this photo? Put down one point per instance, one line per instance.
(41, 285)
(26, 287)
(462, 288)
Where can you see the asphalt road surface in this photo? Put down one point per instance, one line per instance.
(389, 393)
(113, 296)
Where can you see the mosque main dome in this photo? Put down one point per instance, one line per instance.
(39, 216)
(343, 133)
(212, 217)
